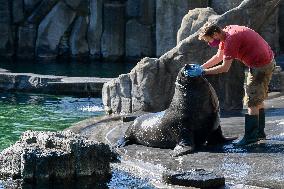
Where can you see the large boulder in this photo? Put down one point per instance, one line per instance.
(193, 21)
(95, 28)
(168, 18)
(55, 156)
(149, 86)
(131, 92)
(52, 28)
(113, 40)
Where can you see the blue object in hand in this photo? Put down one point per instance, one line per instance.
(193, 70)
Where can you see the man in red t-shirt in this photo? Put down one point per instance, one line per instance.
(246, 45)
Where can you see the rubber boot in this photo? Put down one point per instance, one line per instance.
(251, 130)
(261, 125)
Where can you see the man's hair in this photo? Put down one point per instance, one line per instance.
(208, 30)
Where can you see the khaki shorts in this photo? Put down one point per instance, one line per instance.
(257, 84)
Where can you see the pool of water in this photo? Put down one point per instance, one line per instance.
(71, 68)
(20, 112)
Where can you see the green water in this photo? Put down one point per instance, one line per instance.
(20, 112)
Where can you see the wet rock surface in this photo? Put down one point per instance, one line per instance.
(54, 157)
(257, 165)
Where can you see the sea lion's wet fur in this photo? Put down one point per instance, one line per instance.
(194, 110)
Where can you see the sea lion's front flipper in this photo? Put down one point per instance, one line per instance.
(186, 143)
(123, 141)
(217, 137)
(181, 150)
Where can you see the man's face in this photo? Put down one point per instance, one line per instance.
(210, 39)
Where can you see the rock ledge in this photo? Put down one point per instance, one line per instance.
(55, 156)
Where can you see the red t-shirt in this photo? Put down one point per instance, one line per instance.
(246, 45)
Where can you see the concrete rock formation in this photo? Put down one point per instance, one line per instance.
(150, 85)
(193, 21)
(55, 156)
(115, 29)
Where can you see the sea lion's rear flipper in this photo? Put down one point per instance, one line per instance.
(217, 137)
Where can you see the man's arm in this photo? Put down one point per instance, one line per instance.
(219, 69)
(214, 60)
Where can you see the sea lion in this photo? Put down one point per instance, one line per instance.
(192, 119)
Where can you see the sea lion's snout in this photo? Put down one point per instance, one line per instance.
(184, 69)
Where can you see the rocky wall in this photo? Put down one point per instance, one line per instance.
(109, 30)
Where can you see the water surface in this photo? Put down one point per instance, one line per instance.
(20, 112)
